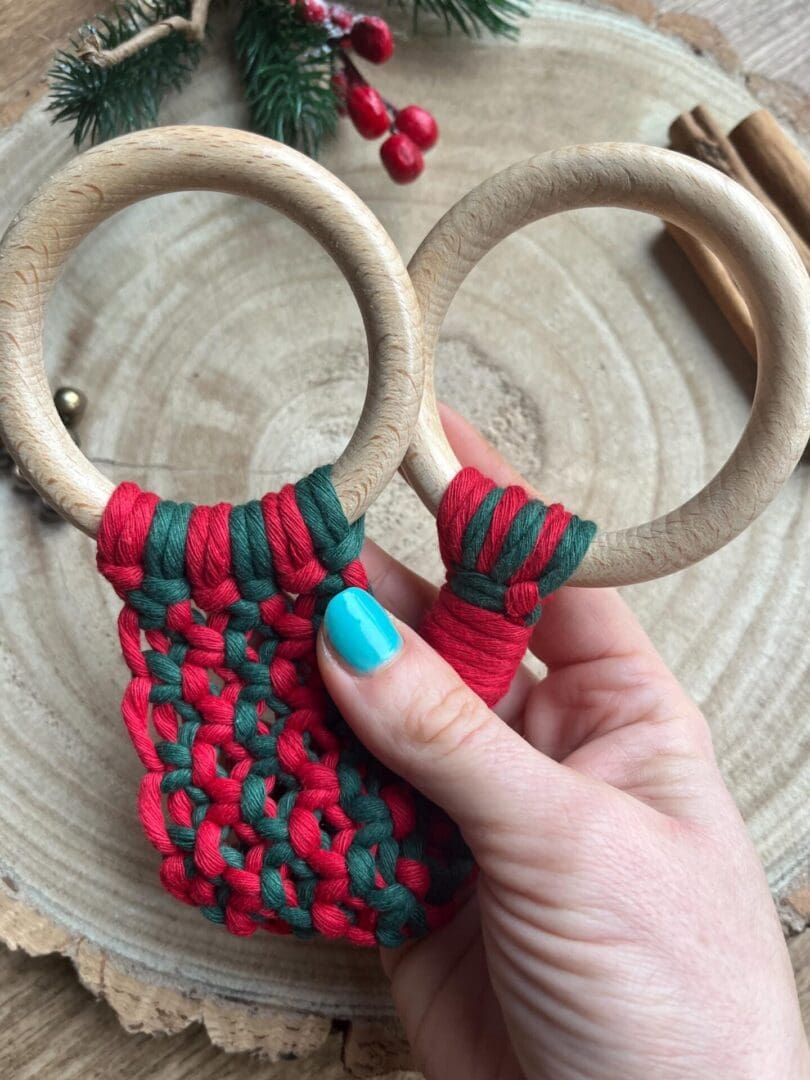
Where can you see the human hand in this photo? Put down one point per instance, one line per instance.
(621, 925)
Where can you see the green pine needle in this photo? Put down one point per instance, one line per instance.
(472, 17)
(104, 102)
(287, 66)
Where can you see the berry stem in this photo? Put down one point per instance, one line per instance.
(353, 73)
(356, 77)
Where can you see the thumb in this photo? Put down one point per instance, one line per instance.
(413, 712)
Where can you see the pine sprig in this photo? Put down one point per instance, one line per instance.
(287, 65)
(102, 102)
(293, 55)
(472, 17)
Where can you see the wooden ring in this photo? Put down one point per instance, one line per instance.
(110, 177)
(761, 260)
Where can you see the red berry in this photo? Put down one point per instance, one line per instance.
(312, 11)
(341, 18)
(402, 158)
(367, 110)
(419, 125)
(372, 39)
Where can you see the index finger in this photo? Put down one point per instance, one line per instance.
(578, 625)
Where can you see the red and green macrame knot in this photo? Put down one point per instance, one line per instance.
(513, 551)
(505, 553)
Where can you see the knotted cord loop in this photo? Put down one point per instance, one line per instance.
(505, 553)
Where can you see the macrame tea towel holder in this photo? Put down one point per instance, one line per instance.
(266, 810)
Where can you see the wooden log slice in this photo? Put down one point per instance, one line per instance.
(222, 356)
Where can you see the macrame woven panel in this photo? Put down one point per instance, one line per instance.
(267, 811)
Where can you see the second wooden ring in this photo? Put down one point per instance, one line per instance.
(758, 255)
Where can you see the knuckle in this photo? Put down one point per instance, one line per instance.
(683, 734)
(454, 719)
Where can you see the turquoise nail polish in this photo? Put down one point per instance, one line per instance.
(360, 631)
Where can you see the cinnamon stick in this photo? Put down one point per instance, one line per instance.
(719, 284)
(778, 164)
(699, 135)
(761, 157)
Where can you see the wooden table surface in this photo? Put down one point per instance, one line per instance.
(53, 1027)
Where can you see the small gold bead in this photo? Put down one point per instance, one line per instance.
(70, 404)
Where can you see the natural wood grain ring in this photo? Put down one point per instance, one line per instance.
(757, 254)
(108, 178)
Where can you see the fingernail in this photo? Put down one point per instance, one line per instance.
(360, 631)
